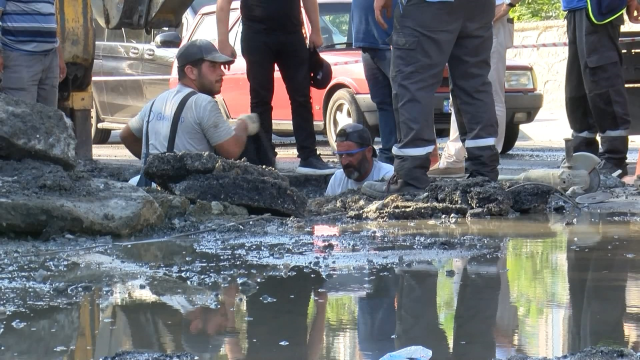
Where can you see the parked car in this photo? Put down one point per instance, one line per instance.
(130, 69)
(347, 98)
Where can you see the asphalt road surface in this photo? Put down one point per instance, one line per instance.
(525, 156)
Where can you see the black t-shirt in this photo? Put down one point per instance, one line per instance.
(283, 16)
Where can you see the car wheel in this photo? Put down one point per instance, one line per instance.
(343, 109)
(99, 136)
(510, 137)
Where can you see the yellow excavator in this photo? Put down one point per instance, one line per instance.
(77, 37)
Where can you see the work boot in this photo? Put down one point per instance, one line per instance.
(607, 168)
(585, 144)
(614, 152)
(381, 189)
(483, 161)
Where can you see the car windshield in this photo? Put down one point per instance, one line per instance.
(335, 25)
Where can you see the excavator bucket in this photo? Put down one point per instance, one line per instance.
(139, 14)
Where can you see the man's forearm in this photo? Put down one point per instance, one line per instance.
(313, 14)
(223, 8)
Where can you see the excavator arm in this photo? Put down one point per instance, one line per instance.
(77, 38)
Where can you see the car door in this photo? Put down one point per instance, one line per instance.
(156, 66)
(121, 73)
(97, 84)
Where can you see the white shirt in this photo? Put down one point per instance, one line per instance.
(202, 125)
(340, 182)
(498, 2)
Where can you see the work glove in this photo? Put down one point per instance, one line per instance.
(253, 123)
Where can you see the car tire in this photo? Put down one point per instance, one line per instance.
(342, 109)
(510, 137)
(99, 136)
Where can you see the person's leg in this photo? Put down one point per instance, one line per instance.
(423, 35)
(579, 115)
(260, 59)
(292, 58)
(377, 68)
(49, 80)
(451, 164)
(21, 75)
(469, 67)
(497, 74)
(601, 60)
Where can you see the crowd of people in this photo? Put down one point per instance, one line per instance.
(405, 45)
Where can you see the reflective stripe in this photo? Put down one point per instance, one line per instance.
(412, 152)
(584, 134)
(480, 142)
(616, 133)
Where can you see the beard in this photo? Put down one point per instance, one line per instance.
(355, 172)
(206, 88)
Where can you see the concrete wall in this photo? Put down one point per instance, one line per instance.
(549, 63)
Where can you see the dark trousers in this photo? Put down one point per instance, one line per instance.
(426, 36)
(596, 99)
(262, 51)
(377, 71)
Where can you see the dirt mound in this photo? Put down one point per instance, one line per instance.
(207, 177)
(472, 197)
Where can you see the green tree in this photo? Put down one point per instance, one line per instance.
(538, 10)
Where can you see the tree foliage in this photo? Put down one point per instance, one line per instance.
(538, 10)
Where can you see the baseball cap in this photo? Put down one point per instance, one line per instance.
(356, 133)
(201, 49)
(320, 70)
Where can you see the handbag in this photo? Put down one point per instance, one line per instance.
(143, 181)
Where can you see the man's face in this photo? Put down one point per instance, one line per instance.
(356, 166)
(209, 78)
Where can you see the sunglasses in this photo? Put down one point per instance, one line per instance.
(348, 153)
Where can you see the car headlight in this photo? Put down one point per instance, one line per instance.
(519, 80)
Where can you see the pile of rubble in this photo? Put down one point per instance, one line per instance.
(471, 198)
(45, 191)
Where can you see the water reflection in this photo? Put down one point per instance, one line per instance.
(577, 286)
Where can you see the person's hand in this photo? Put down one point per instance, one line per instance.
(320, 296)
(63, 70)
(252, 121)
(382, 5)
(315, 40)
(633, 11)
(501, 11)
(226, 49)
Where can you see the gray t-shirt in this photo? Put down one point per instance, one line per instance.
(202, 125)
(340, 182)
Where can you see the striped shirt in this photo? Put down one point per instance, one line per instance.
(28, 26)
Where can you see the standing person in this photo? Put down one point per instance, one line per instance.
(272, 35)
(31, 58)
(376, 60)
(452, 162)
(595, 95)
(427, 35)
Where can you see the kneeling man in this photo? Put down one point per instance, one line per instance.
(358, 158)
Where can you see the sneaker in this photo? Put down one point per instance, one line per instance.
(447, 172)
(315, 166)
(610, 169)
(381, 189)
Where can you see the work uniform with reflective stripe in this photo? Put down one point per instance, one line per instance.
(596, 99)
(427, 35)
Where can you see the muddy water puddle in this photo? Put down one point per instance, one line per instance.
(477, 290)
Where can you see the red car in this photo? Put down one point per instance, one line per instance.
(347, 98)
